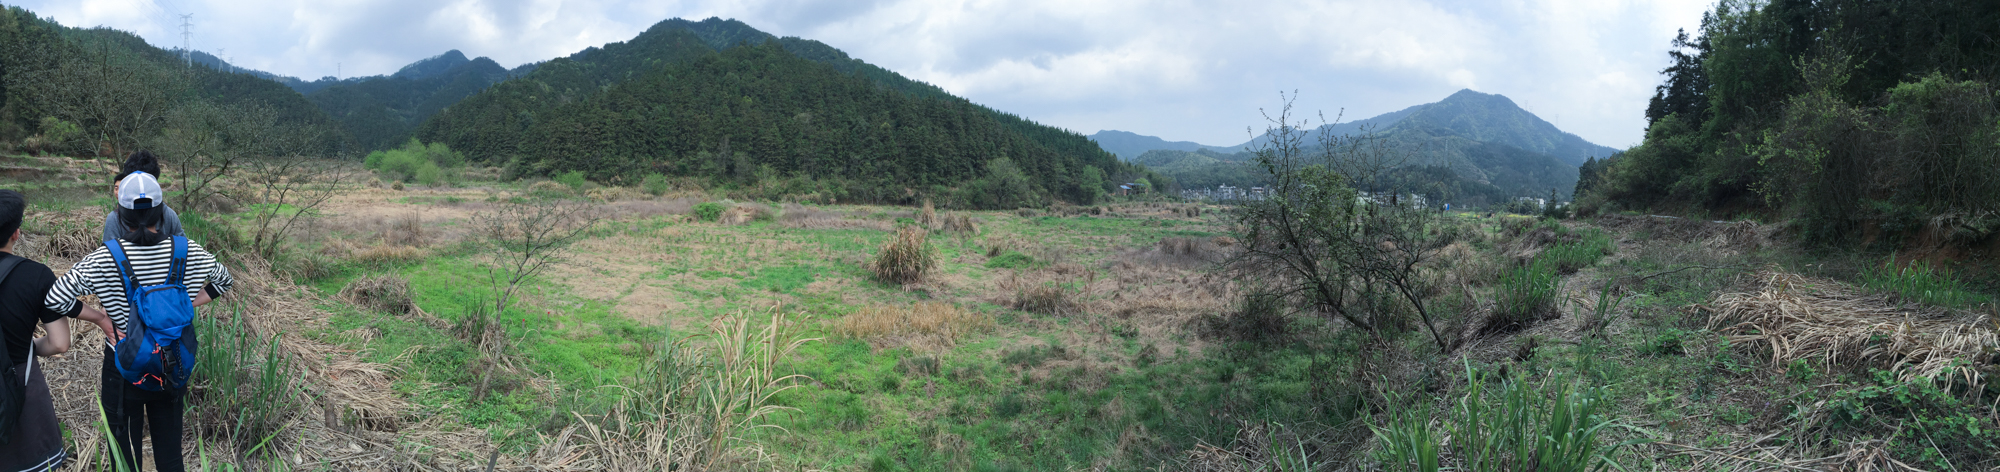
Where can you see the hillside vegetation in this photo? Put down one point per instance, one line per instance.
(1855, 120)
(731, 106)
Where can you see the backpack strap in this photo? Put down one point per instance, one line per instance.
(130, 279)
(178, 268)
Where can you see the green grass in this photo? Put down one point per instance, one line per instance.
(1921, 282)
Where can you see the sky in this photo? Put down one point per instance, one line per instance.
(1202, 71)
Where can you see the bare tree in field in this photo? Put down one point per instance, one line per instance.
(1315, 241)
(528, 236)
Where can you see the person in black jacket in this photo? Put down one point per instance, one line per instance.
(36, 443)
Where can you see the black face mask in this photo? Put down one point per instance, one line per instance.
(136, 222)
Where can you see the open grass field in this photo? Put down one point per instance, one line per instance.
(1096, 338)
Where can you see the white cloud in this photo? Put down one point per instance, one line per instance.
(1180, 69)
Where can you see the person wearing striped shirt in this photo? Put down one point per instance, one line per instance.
(130, 409)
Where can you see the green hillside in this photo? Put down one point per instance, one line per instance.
(382, 111)
(760, 111)
(84, 91)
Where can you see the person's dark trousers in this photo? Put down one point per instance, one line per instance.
(131, 410)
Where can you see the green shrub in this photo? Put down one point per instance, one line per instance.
(656, 184)
(574, 179)
(1936, 428)
(708, 211)
(1011, 260)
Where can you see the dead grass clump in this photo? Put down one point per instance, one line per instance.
(928, 217)
(1797, 317)
(385, 255)
(549, 187)
(387, 293)
(643, 209)
(614, 194)
(1060, 296)
(960, 224)
(933, 325)
(906, 258)
(61, 235)
(744, 213)
(406, 230)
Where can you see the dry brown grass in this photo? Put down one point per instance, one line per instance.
(614, 194)
(61, 237)
(927, 325)
(1057, 291)
(928, 217)
(906, 258)
(406, 230)
(381, 255)
(804, 217)
(387, 293)
(1797, 317)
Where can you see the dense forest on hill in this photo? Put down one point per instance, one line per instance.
(382, 111)
(765, 110)
(90, 91)
(1838, 115)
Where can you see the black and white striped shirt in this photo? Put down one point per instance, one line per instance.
(97, 274)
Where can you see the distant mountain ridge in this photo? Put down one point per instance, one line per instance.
(1470, 144)
(1128, 145)
(1483, 117)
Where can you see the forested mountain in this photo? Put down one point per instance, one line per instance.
(382, 111)
(97, 90)
(1471, 148)
(1839, 115)
(1128, 145)
(761, 110)
(1483, 117)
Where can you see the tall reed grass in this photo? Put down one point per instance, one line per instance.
(906, 258)
(242, 390)
(696, 402)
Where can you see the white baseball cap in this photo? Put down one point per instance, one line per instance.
(139, 191)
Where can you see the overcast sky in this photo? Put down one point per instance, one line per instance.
(1182, 70)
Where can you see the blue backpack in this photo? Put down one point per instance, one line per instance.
(158, 350)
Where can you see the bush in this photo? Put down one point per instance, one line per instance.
(906, 258)
(574, 179)
(1258, 317)
(708, 211)
(1011, 260)
(656, 184)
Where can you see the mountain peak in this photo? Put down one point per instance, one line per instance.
(432, 66)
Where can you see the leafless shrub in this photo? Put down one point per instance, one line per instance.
(528, 236)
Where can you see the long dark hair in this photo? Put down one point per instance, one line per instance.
(138, 222)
